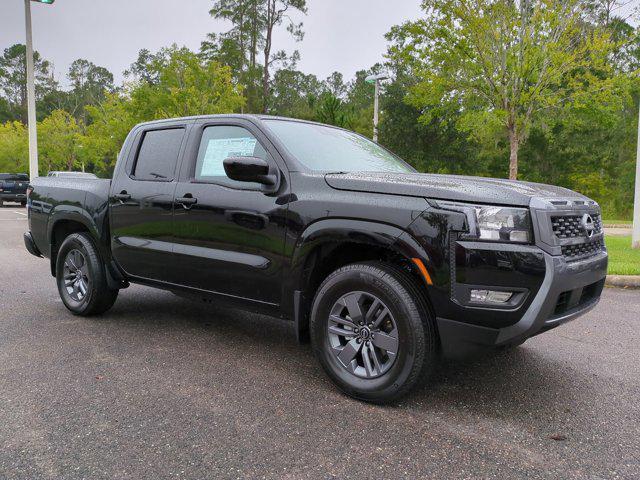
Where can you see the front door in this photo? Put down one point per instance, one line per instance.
(229, 235)
(141, 204)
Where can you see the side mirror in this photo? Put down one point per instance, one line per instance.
(250, 169)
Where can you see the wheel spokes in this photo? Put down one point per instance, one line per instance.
(82, 288)
(76, 275)
(342, 321)
(386, 342)
(366, 360)
(352, 303)
(376, 359)
(378, 316)
(348, 353)
(78, 259)
(363, 334)
(343, 332)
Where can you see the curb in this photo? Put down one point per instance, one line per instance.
(623, 281)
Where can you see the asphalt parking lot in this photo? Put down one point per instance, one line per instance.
(163, 388)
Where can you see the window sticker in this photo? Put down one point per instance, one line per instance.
(220, 148)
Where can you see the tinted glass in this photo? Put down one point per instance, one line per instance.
(12, 177)
(220, 142)
(158, 154)
(330, 149)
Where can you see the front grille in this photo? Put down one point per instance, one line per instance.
(570, 226)
(582, 250)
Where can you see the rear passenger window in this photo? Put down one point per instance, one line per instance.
(158, 155)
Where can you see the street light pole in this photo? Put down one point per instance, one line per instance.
(375, 79)
(375, 111)
(635, 239)
(31, 97)
(31, 91)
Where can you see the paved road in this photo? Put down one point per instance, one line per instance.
(618, 231)
(163, 388)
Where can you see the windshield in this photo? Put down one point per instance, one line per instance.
(330, 149)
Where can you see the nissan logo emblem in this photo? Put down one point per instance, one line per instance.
(587, 225)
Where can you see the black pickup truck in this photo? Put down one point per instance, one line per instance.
(384, 269)
(13, 188)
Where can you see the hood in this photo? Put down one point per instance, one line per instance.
(449, 187)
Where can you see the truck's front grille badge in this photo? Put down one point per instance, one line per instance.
(570, 226)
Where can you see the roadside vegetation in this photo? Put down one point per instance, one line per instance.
(539, 90)
(617, 222)
(623, 260)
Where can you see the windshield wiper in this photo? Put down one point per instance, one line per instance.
(157, 175)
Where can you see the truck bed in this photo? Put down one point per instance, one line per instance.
(54, 198)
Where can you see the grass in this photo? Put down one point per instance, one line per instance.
(610, 221)
(623, 260)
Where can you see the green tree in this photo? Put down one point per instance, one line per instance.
(110, 123)
(295, 94)
(13, 79)
(5, 111)
(502, 61)
(59, 140)
(89, 84)
(334, 111)
(254, 23)
(14, 149)
(186, 85)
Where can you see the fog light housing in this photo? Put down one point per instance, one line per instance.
(490, 297)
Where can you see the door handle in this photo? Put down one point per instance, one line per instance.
(122, 196)
(186, 202)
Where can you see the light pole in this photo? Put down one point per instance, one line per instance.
(635, 239)
(31, 92)
(376, 79)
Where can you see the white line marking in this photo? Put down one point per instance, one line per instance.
(20, 213)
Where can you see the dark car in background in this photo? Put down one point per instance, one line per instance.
(13, 188)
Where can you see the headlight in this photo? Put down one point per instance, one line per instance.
(499, 224)
(503, 224)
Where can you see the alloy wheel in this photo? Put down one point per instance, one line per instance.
(363, 334)
(76, 275)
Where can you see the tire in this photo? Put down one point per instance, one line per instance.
(24, 204)
(408, 328)
(81, 277)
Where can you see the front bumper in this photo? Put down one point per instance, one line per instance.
(568, 290)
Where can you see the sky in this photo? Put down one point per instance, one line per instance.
(341, 35)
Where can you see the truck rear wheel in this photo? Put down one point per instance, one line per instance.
(81, 277)
(372, 333)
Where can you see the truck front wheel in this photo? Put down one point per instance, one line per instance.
(371, 331)
(81, 277)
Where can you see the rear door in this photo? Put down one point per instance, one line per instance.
(141, 202)
(229, 235)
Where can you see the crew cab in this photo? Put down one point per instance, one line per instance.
(382, 268)
(13, 188)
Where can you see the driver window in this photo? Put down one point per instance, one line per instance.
(220, 142)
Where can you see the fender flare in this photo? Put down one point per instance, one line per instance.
(339, 231)
(77, 214)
